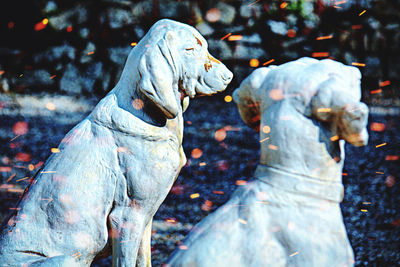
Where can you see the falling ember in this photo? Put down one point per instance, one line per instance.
(356, 27)
(41, 25)
(283, 5)
(255, 2)
(226, 36)
(272, 147)
(242, 221)
(55, 150)
(268, 62)
(235, 38)
(320, 54)
(196, 153)
(276, 94)
(213, 15)
(340, 2)
(90, 53)
(195, 195)
(294, 254)
(171, 220)
(27, 177)
(69, 29)
(358, 64)
(323, 110)
(50, 106)
(384, 83)
(52, 77)
(383, 144)
(137, 104)
(379, 172)
(240, 182)
(228, 98)
(133, 44)
(20, 128)
(362, 13)
(254, 63)
(263, 140)
(377, 127)
(202, 164)
(377, 91)
(324, 37)
(2, 72)
(220, 135)
(183, 247)
(31, 167)
(392, 157)
(334, 138)
(217, 192)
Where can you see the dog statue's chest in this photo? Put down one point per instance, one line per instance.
(149, 166)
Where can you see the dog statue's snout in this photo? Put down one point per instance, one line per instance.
(227, 76)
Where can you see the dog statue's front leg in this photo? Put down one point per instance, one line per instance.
(127, 226)
(144, 255)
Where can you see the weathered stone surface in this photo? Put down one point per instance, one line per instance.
(289, 215)
(114, 169)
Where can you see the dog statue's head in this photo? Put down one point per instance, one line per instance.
(173, 64)
(325, 90)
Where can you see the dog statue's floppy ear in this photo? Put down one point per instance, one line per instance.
(157, 72)
(321, 103)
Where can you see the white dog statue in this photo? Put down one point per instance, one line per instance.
(116, 167)
(289, 215)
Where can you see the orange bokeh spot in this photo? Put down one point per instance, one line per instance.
(220, 135)
(291, 33)
(276, 94)
(228, 98)
(266, 129)
(254, 63)
(20, 128)
(213, 15)
(283, 5)
(69, 29)
(137, 104)
(197, 153)
(377, 127)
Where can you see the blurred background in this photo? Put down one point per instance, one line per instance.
(58, 58)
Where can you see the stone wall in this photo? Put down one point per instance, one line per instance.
(79, 47)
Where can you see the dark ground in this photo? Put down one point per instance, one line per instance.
(371, 206)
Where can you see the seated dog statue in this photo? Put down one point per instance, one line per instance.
(289, 215)
(115, 168)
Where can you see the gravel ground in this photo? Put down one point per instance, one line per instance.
(31, 125)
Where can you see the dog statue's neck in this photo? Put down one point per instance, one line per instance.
(138, 105)
(299, 145)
